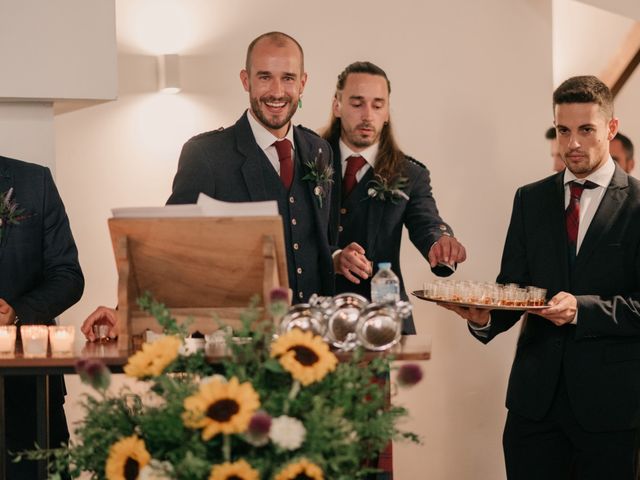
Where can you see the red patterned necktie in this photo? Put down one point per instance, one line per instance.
(572, 214)
(286, 161)
(354, 164)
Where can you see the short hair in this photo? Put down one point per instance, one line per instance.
(585, 89)
(361, 67)
(627, 144)
(280, 39)
(550, 134)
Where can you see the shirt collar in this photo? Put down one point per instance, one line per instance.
(264, 138)
(601, 177)
(369, 154)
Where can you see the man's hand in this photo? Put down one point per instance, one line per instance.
(7, 313)
(446, 250)
(478, 316)
(351, 261)
(101, 315)
(562, 309)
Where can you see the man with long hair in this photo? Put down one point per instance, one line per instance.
(379, 189)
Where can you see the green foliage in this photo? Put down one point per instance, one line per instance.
(345, 416)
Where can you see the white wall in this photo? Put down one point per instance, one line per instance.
(471, 98)
(584, 39)
(27, 133)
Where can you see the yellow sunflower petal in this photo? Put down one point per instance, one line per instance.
(126, 458)
(221, 407)
(240, 470)
(302, 466)
(305, 356)
(153, 358)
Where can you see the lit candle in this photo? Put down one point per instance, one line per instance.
(61, 339)
(34, 340)
(7, 339)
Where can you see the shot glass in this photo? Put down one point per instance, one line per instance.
(7, 340)
(61, 338)
(34, 340)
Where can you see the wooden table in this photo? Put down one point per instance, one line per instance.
(409, 348)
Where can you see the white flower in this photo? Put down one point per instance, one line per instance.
(287, 432)
(157, 470)
(211, 378)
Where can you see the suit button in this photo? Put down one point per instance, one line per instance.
(292, 200)
(294, 221)
(343, 211)
(300, 295)
(296, 246)
(299, 270)
(340, 228)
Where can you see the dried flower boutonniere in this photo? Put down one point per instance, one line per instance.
(383, 189)
(321, 173)
(10, 214)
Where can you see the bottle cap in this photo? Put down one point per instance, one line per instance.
(383, 265)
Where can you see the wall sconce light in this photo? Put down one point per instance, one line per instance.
(169, 73)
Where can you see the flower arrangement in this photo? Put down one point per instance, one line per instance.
(321, 173)
(10, 214)
(282, 409)
(383, 189)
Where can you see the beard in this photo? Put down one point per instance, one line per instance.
(273, 122)
(357, 139)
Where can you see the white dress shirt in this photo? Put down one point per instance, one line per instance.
(369, 154)
(264, 139)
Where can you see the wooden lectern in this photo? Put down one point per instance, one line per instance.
(204, 268)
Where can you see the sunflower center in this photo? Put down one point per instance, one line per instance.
(131, 469)
(223, 410)
(302, 476)
(235, 477)
(304, 355)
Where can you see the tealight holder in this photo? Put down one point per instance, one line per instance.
(34, 340)
(61, 338)
(7, 340)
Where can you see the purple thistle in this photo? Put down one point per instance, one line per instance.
(409, 374)
(260, 424)
(279, 294)
(93, 372)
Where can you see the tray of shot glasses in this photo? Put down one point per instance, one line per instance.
(485, 295)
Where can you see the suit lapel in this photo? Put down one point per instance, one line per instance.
(6, 182)
(374, 216)
(306, 153)
(606, 215)
(559, 229)
(254, 158)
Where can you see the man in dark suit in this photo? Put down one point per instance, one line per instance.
(378, 189)
(40, 278)
(264, 157)
(574, 389)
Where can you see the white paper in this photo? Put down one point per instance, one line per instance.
(206, 207)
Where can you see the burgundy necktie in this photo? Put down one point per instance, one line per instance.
(349, 181)
(286, 161)
(572, 214)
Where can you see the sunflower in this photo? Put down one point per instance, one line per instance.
(303, 469)
(239, 470)
(305, 356)
(153, 358)
(126, 458)
(221, 407)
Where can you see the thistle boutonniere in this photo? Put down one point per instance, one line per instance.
(384, 189)
(10, 214)
(321, 173)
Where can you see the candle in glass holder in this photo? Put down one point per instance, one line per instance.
(7, 339)
(34, 340)
(61, 338)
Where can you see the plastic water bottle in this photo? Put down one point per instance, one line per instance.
(385, 285)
